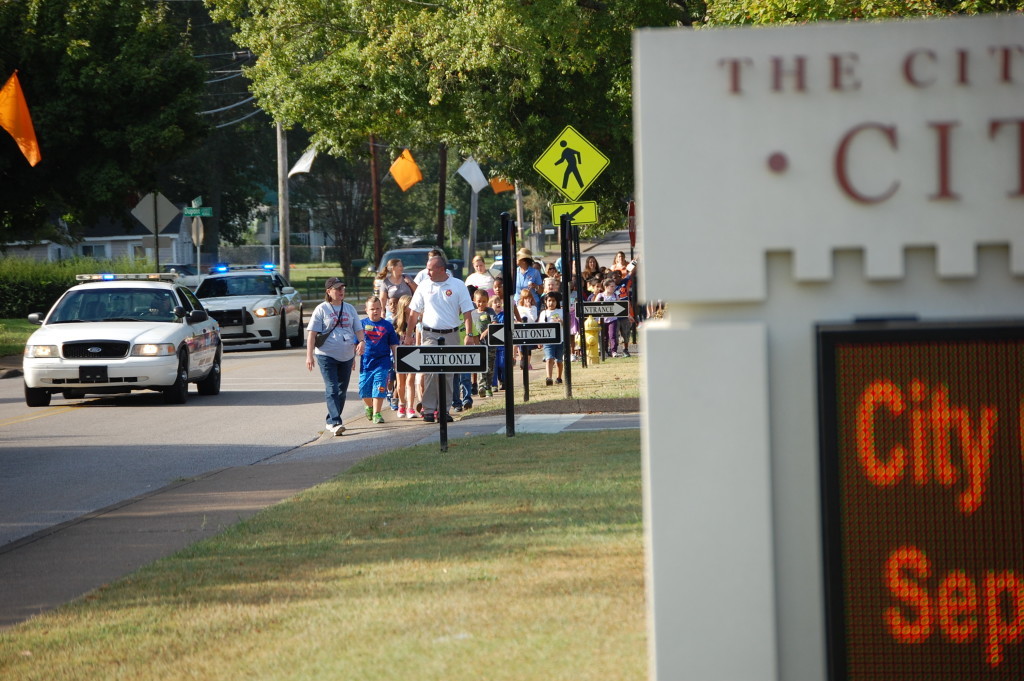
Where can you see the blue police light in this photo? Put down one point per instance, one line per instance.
(219, 267)
(269, 266)
(107, 276)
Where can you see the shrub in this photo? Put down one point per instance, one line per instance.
(31, 286)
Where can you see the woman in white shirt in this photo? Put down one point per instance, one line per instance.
(480, 277)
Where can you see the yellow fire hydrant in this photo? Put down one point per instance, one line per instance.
(592, 329)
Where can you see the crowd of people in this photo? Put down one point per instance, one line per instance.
(436, 308)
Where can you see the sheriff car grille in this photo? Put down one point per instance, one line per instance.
(232, 317)
(96, 350)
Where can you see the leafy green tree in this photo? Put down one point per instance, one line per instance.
(720, 12)
(113, 92)
(498, 79)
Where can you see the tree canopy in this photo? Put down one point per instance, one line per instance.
(113, 91)
(496, 79)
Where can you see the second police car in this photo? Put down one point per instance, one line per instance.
(253, 304)
(115, 333)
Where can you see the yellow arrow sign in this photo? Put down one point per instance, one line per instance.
(581, 213)
(571, 163)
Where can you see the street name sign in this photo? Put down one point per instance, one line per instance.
(538, 333)
(571, 163)
(441, 359)
(581, 213)
(613, 308)
(198, 212)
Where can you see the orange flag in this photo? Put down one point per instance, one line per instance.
(405, 171)
(15, 119)
(499, 185)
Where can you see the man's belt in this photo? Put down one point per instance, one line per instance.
(427, 328)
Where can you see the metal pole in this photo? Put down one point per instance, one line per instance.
(283, 234)
(564, 242)
(442, 405)
(507, 254)
(580, 289)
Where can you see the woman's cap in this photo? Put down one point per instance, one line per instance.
(334, 282)
(524, 254)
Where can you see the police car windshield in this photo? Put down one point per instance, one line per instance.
(220, 287)
(109, 305)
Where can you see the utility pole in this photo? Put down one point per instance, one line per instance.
(282, 201)
(378, 246)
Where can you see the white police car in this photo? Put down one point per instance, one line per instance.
(115, 333)
(253, 304)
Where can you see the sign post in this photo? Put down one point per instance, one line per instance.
(155, 211)
(441, 359)
(508, 249)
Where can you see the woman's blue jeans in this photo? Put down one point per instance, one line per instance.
(336, 376)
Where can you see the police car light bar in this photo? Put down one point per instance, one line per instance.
(224, 267)
(107, 276)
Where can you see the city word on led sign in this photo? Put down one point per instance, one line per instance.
(922, 463)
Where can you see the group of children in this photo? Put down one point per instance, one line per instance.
(379, 383)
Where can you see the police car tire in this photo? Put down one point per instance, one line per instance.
(36, 397)
(211, 384)
(177, 392)
(282, 337)
(300, 332)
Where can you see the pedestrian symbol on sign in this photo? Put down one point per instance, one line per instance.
(571, 163)
(570, 157)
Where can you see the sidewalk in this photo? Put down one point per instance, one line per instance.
(54, 566)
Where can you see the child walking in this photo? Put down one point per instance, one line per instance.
(483, 316)
(611, 323)
(552, 312)
(381, 342)
(405, 384)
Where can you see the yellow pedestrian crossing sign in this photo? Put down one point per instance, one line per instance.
(581, 213)
(571, 163)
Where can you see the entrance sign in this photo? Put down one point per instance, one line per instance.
(914, 131)
(842, 171)
(613, 308)
(923, 471)
(582, 213)
(571, 163)
(441, 359)
(537, 333)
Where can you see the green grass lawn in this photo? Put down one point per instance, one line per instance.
(515, 559)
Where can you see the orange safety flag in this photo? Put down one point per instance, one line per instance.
(15, 119)
(405, 171)
(499, 185)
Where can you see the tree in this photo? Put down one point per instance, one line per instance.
(720, 12)
(113, 92)
(495, 79)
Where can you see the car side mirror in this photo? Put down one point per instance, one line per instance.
(288, 290)
(196, 316)
(35, 318)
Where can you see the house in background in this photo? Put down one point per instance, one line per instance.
(109, 239)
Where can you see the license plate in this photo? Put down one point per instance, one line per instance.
(92, 374)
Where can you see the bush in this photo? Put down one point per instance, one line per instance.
(31, 286)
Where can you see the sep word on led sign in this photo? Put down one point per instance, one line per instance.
(922, 444)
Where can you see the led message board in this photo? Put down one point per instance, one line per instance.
(922, 465)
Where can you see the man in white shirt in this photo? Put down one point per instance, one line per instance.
(442, 304)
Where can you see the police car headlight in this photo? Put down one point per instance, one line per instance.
(265, 311)
(41, 351)
(153, 350)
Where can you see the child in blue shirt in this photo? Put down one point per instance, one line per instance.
(375, 365)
